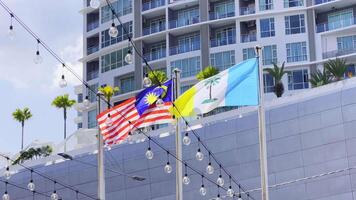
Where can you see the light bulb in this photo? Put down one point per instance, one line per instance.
(128, 57)
(199, 155)
(113, 32)
(38, 58)
(186, 140)
(186, 180)
(147, 82)
(7, 173)
(239, 197)
(202, 191)
(6, 196)
(54, 196)
(11, 33)
(230, 192)
(168, 168)
(218, 197)
(240, 116)
(95, 4)
(149, 154)
(109, 121)
(62, 82)
(210, 169)
(220, 181)
(159, 102)
(86, 102)
(31, 186)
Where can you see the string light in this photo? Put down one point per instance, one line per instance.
(95, 4)
(218, 196)
(11, 33)
(202, 190)
(199, 155)
(54, 195)
(240, 198)
(113, 32)
(147, 81)
(220, 181)
(186, 140)
(38, 58)
(63, 82)
(128, 57)
(7, 173)
(159, 102)
(186, 179)
(149, 154)
(109, 120)
(31, 186)
(230, 191)
(209, 168)
(168, 167)
(6, 196)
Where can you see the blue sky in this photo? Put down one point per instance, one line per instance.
(23, 83)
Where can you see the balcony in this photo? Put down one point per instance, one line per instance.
(92, 75)
(316, 2)
(152, 4)
(92, 25)
(175, 23)
(92, 70)
(251, 37)
(220, 15)
(92, 49)
(154, 29)
(184, 48)
(328, 26)
(150, 56)
(340, 52)
(293, 3)
(247, 10)
(215, 42)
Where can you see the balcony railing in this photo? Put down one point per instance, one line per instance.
(150, 56)
(219, 15)
(247, 10)
(340, 52)
(154, 29)
(184, 48)
(92, 25)
(92, 75)
(92, 49)
(335, 25)
(175, 23)
(248, 37)
(316, 2)
(152, 4)
(222, 41)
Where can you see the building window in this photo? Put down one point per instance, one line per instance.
(293, 3)
(224, 36)
(91, 92)
(269, 55)
(106, 40)
(189, 66)
(298, 79)
(80, 98)
(79, 125)
(294, 24)
(268, 82)
(249, 53)
(222, 60)
(126, 84)
(297, 52)
(92, 119)
(121, 7)
(188, 16)
(340, 19)
(223, 10)
(266, 5)
(267, 27)
(346, 43)
(113, 60)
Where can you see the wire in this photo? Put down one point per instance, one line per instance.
(23, 188)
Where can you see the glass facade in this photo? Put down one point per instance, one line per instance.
(346, 43)
(125, 84)
(222, 60)
(223, 10)
(106, 40)
(92, 119)
(189, 66)
(224, 36)
(121, 7)
(185, 17)
(340, 19)
(268, 82)
(293, 3)
(91, 92)
(294, 24)
(186, 43)
(267, 27)
(269, 55)
(297, 52)
(298, 79)
(113, 60)
(249, 53)
(266, 5)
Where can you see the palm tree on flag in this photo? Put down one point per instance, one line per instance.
(65, 103)
(21, 116)
(108, 92)
(208, 73)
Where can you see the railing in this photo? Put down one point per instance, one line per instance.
(293, 3)
(222, 41)
(154, 29)
(184, 48)
(175, 23)
(219, 15)
(248, 37)
(152, 4)
(155, 55)
(335, 25)
(247, 10)
(92, 25)
(92, 75)
(92, 49)
(316, 2)
(339, 52)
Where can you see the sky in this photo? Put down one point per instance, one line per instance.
(26, 84)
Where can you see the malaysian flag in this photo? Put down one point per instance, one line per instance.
(137, 112)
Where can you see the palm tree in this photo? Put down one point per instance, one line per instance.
(21, 116)
(108, 92)
(337, 68)
(157, 77)
(320, 78)
(207, 72)
(35, 153)
(65, 103)
(277, 73)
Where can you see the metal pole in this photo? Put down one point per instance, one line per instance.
(100, 158)
(179, 167)
(262, 130)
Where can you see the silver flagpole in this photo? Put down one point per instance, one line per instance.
(179, 168)
(262, 130)
(100, 158)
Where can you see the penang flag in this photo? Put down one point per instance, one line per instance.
(236, 86)
(137, 112)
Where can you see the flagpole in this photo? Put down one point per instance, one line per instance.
(262, 129)
(100, 158)
(179, 167)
